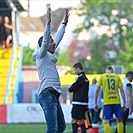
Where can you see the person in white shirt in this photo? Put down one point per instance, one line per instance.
(127, 87)
(49, 88)
(94, 114)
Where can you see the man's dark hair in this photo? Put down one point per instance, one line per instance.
(78, 65)
(94, 81)
(129, 73)
(40, 41)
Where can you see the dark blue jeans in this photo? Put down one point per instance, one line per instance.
(53, 112)
(95, 115)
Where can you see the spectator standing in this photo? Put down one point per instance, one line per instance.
(110, 83)
(2, 33)
(94, 114)
(49, 88)
(127, 86)
(80, 98)
(1, 30)
(7, 31)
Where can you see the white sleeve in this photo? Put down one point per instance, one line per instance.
(45, 42)
(59, 35)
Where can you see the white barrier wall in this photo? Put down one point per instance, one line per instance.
(31, 113)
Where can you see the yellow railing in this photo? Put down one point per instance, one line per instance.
(5, 55)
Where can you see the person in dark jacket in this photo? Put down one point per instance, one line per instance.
(80, 98)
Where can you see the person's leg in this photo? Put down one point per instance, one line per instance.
(120, 121)
(120, 128)
(96, 116)
(83, 128)
(125, 115)
(107, 115)
(49, 105)
(74, 121)
(99, 111)
(82, 125)
(92, 114)
(9, 37)
(61, 119)
(107, 128)
(74, 126)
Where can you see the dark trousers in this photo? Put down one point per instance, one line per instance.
(125, 115)
(75, 128)
(95, 115)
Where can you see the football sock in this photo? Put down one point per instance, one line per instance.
(107, 128)
(74, 128)
(120, 127)
(83, 129)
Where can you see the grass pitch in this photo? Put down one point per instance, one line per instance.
(41, 128)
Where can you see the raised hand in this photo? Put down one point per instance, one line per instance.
(49, 15)
(66, 16)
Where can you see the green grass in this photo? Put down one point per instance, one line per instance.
(40, 128)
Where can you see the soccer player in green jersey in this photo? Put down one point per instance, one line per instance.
(110, 83)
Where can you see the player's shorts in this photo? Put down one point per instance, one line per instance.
(78, 111)
(109, 110)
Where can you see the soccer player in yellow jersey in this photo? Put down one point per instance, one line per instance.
(110, 83)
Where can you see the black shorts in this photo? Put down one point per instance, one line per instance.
(78, 111)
